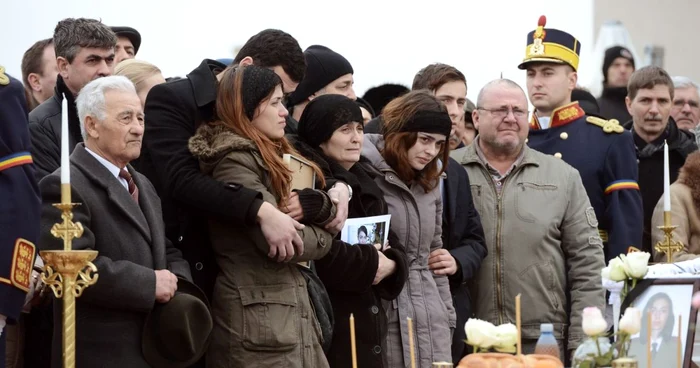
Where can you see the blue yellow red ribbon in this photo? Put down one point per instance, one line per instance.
(15, 159)
(621, 184)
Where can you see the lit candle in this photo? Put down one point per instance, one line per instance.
(353, 348)
(65, 163)
(667, 181)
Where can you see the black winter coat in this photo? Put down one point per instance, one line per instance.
(463, 237)
(348, 271)
(612, 104)
(651, 168)
(45, 130)
(174, 111)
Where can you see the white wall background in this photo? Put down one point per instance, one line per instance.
(385, 40)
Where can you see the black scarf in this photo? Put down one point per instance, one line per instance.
(61, 90)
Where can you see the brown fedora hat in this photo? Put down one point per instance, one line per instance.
(176, 333)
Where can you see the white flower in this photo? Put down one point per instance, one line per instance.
(480, 333)
(507, 338)
(617, 270)
(605, 273)
(593, 322)
(635, 264)
(631, 322)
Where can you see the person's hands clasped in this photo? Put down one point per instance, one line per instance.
(166, 285)
(441, 262)
(293, 207)
(340, 195)
(280, 231)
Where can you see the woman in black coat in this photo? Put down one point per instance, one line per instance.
(356, 276)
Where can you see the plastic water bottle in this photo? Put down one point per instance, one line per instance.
(547, 344)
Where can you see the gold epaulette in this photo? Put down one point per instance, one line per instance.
(4, 79)
(609, 126)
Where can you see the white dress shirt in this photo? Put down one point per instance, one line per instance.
(111, 167)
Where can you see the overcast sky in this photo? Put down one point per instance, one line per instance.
(384, 40)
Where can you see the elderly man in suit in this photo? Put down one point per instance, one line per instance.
(121, 214)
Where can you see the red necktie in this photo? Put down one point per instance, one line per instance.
(133, 190)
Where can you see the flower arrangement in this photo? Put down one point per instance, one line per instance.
(597, 351)
(484, 336)
(628, 268)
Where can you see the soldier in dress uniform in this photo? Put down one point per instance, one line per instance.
(601, 150)
(20, 204)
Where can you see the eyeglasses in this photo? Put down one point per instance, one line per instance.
(502, 112)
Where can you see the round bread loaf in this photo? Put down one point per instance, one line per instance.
(498, 360)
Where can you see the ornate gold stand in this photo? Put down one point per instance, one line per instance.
(624, 363)
(68, 272)
(668, 245)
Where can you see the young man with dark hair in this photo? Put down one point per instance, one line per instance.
(649, 101)
(84, 52)
(278, 51)
(447, 84)
(601, 150)
(39, 72)
(174, 111)
(327, 72)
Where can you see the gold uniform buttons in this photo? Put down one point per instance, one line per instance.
(564, 135)
(557, 155)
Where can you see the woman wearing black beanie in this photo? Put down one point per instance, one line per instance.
(409, 160)
(357, 277)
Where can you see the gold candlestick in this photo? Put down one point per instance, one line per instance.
(68, 272)
(668, 245)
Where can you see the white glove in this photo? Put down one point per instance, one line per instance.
(2, 323)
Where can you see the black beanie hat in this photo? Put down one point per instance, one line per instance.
(323, 115)
(360, 101)
(323, 66)
(613, 53)
(586, 100)
(258, 84)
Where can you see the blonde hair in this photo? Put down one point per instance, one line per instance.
(137, 71)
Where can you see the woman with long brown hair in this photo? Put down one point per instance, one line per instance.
(408, 165)
(263, 315)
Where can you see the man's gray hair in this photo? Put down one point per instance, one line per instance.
(684, 82)
(91, 99)
(494, 83)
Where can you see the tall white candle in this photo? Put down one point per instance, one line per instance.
(65, 165)
(667, 181)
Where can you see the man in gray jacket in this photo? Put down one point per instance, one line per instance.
(541, 230)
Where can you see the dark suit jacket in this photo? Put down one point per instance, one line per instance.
(174, 110)
(463, 236)
(131, 244)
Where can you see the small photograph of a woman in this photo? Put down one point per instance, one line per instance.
(664, 340)
(362, 237)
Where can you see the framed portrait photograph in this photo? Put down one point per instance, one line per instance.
(667, 335)
(367, 230)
